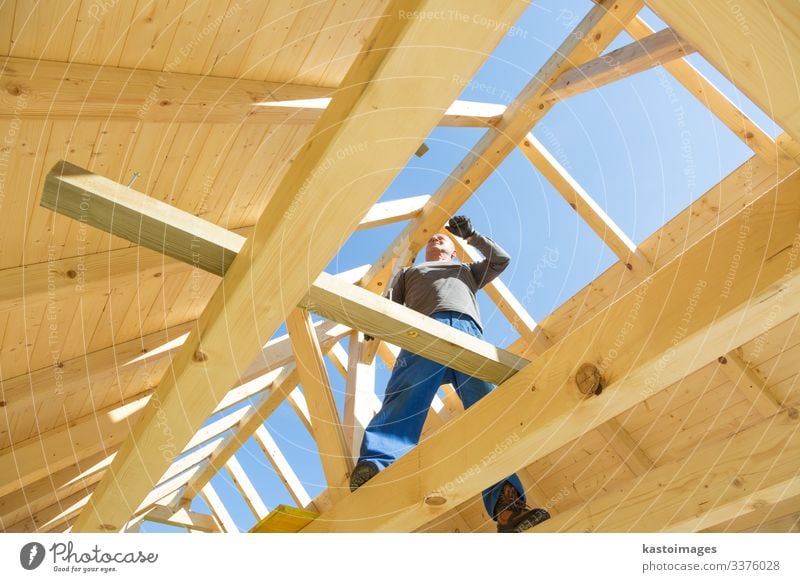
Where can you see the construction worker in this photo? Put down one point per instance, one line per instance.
(443, 289)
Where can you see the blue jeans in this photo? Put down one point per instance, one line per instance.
(396, 429)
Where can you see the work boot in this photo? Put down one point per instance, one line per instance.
(362, 473)
(511, 513)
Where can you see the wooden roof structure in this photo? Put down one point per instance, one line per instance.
(134, 365)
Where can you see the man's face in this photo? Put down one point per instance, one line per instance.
(440, 248)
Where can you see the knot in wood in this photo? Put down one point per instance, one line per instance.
(589, 379)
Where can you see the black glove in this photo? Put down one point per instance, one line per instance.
(461, 226)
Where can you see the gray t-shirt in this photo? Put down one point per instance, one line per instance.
(435, 286)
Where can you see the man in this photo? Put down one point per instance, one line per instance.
(443, 289)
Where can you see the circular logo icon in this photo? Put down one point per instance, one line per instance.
(31, 555)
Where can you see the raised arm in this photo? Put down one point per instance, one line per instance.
(495, 258)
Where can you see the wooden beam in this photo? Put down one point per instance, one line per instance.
(580, 201)
(67, 91)
(674, 323)
(182, 518)
(325, 421)
(256, 414)
(207, 246)
(246, 488)
(659, 48)
(57, 90)
(97, 201)
(717, 482)
(298, 402)
(729, 114)
(282, 467)
(395, 90)
(392, 211)
(359, 398)
(339, 358)
(755, 46)
(602, 24)
(749, 383)
(770, 516)
(216, 506)
(355, 307)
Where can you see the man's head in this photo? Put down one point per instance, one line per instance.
(440, 248)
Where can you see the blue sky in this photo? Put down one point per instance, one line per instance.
(622, 143)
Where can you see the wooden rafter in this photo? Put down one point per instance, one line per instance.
(717, 482)
(381, 95)
(282, 467)
(206, 246)
(503, 418)
(325, 421)
(246, 488)
(191, 520)
(723, 108)
(359, 399)
(56, 90)
(759, 53)
(256, 414)
(659, 48)
(580, 201)
(603, 23)
(218, 509)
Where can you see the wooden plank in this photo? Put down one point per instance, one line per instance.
(659, 48)
(191, 520)
(359, 407)
(580, 201)
(209, 247)
(355, 307)
(246, 488)
(53, 516)
(726, 111)
(60, 90)
(28, 461)
(393, 89)
(216, 506)
(763, 518)
(659, 334)
(602, 24)
(298, 403)
(718, 482)
(757, 48)
(285, 519)
(282, 467)
(750, 384)
(20, 504)
(325, 421)
(393, 211)
(103, 203)
(273, 396)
